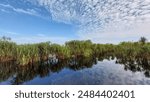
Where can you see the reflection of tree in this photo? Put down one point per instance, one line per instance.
(135, 64)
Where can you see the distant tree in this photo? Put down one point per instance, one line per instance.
(4, 38)
(143, 40)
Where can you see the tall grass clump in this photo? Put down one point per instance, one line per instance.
(80, 48)
(7, 50)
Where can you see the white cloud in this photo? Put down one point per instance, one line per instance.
(7, 33)
(107, 19)
(102, 20)
(116, 36)
(19, 10)
(28, 11)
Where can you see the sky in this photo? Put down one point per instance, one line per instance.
(58, 21)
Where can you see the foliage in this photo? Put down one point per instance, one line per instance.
(143, 40)
(7, 50)
(28, 53)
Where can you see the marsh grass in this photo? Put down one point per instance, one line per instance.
(26, 54)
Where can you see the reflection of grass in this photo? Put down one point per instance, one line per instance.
(29, 53)
(42, 69)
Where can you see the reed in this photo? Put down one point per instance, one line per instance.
(27, 54)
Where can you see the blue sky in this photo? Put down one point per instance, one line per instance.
(102, 21)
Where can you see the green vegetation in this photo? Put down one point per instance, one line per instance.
(7, 49)
(143, 40)
(27, 54)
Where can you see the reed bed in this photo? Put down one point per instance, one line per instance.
(26, 54)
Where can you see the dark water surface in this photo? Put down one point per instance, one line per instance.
(83, 71)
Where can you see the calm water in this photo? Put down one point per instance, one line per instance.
(82, 71)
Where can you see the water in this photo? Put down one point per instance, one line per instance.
(83, 71)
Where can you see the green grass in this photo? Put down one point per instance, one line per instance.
(29, 53)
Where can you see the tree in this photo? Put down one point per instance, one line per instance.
(143, 40)
(4, 38)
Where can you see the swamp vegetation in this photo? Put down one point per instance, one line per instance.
(27, 54)
(25, 62)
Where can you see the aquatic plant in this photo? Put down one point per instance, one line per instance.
(26, 54)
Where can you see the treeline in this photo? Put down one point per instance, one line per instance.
(29, 53)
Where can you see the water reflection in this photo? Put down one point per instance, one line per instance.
(136, 65)
(93, 70)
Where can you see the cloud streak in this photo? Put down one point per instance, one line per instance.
(19, 10)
